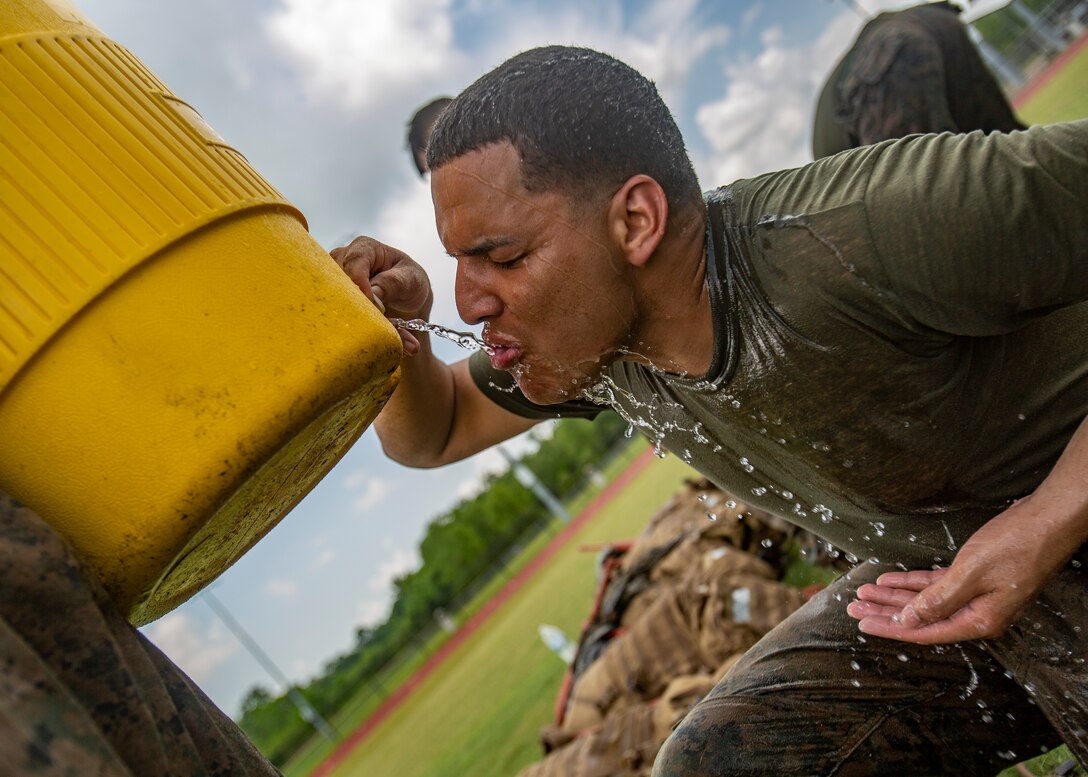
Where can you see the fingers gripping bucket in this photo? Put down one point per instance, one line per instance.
(180, 362)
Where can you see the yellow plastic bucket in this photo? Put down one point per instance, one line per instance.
(180, 362)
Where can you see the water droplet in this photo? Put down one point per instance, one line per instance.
(463, 339)
(855, 666)
(856, 683)
(731, 504)
(759, 491)
(712, 516)
(787, 495)
(747, 465)
(1022, 417)
(630, 431)
(847, 463)
(700, 498)
(766, 543)
(902, 657)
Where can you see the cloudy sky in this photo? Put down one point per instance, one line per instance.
(316, 94)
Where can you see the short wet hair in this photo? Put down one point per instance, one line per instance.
(580, 120)
(419, 129)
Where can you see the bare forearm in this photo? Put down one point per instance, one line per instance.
(999, 570)
(414, 427)
(1063, 496)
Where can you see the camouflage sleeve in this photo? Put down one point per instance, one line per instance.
(895, 86)
(83, 692)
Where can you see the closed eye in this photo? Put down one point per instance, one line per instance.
(510, 264)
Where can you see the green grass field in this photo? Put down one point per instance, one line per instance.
(1063, 97)
(480, 713)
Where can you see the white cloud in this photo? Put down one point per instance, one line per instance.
(355, 479)
(662, 40)
(750, 15)
(375, 608)
(281, 588)
(357, 53)
(407, 222)
(491, 461)
(376, 490)
(763, 121)
(198, 651)
(323, 559)
(300, 667)
(400, 562)
(484, 463)
(372, 611)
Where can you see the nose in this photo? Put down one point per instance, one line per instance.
(476, 300)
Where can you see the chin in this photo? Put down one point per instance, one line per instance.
(551, 389)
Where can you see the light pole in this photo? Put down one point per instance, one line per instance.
(528, 479)
(305, 709)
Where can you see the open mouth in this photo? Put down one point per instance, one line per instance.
(505, 357)
(505, 354)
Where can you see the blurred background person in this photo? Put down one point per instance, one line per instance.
(419, 130)
(909, 71)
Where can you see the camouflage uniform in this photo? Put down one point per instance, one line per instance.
(814, 697)
(909, 71)
(84, 693)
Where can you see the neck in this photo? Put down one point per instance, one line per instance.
(675, 331)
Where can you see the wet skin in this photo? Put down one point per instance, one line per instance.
(554, 291)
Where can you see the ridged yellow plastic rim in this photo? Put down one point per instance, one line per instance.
(179, 360)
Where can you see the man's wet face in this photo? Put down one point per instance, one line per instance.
(555, 294)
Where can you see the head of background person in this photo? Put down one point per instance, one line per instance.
(419, 130)
(556, 177)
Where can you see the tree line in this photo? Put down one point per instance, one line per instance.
(459, 546)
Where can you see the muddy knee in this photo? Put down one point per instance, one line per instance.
(706, 742)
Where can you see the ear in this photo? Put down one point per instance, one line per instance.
(637, 216)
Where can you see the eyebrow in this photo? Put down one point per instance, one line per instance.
(484, 246)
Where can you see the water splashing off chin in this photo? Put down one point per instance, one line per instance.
(463, 339)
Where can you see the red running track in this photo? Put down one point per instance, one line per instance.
(481, 617)
(1044, 77)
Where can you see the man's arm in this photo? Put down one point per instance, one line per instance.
(437, 414)
(1019, 249)
(997, 572)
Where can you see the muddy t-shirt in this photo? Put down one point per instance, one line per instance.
(901, 339)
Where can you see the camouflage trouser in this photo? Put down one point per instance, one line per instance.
(81, 691)
(814, 697)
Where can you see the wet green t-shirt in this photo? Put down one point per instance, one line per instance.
(901, 339)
